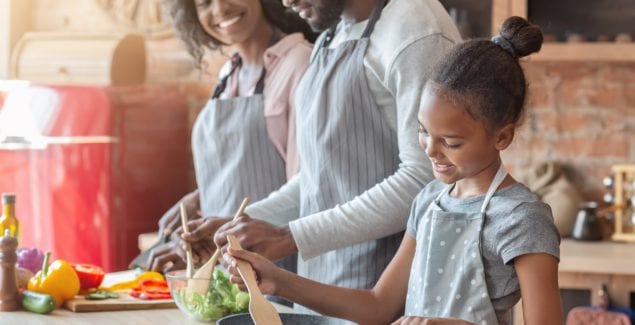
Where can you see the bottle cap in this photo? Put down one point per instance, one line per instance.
(8, 198)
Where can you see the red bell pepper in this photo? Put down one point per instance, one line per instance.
(151, 289)
(90, 276)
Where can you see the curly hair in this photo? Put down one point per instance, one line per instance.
(188, 27)
(486, 76)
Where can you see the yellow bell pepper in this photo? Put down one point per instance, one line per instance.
(58, 280)
(127, 285)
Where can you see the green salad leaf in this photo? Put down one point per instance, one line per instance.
(223, 298)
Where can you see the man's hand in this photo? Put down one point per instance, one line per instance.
(200, 238)
(164, 258)
(258, 236)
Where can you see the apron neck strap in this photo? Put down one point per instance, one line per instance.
(374, 17)
(238, 62)
(372, 20)
(496, 182)
(222, 83)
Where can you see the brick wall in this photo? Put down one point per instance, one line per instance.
(581, 114)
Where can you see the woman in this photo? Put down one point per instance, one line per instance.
(243, 140)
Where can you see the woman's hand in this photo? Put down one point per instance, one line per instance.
(164, 258)
(267, 273)
(413, 320)
(171, 220)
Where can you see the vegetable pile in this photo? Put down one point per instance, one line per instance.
(223, 298)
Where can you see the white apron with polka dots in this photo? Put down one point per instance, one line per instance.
(447, 278)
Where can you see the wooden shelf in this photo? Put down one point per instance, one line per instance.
(585, 52)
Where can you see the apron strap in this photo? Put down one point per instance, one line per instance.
(237, 62)
(374, 17)
(372, 20)
(498, 179)
(496, 182)
(222, 83)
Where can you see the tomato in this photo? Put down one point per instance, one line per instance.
(90, 276)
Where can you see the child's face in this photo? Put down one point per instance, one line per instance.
(458, 146)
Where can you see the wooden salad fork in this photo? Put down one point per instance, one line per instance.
(261, 310)
(199, 285)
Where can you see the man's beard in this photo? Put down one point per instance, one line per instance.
(327, 14)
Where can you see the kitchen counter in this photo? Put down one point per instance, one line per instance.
(138, 317)
(603, 257)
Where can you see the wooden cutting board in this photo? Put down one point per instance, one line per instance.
(124, 302)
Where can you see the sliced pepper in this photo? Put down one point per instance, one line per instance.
(126, 285)
(151, 289)
(141, 294)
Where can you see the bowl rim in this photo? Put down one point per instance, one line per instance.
(180, 275)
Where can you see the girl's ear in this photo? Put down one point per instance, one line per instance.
(505, 136)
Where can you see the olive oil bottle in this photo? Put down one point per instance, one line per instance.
(8, 220)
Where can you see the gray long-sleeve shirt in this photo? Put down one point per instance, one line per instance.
(409, 38)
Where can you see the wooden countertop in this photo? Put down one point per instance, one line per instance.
(604, 257)
(137, 317)
(141, 317)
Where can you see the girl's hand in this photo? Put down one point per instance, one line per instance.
(267, 273)
(413, 320)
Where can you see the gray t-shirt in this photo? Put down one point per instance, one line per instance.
(516, 223)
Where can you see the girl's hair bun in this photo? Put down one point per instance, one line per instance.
(519, 37)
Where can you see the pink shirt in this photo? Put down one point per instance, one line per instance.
(285, 63)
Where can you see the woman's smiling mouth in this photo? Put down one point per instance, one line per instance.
(229, 21)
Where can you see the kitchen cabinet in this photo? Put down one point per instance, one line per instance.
(589, 18)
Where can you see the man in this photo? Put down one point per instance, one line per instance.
(357, 140)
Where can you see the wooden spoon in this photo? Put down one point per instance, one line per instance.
(205, 272)
(188, 251)
(261, 310)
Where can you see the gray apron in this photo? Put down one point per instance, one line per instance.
(447, 278)
(234, 157)
(346, 147)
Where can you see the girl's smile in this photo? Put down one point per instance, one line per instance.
(460, 148)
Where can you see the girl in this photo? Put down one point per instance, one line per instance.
(476, 240)
(243, 140)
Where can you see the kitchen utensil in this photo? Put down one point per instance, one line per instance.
(205, 272)
(287, 319)
(261, 310)
(587, 225)
(188, 251)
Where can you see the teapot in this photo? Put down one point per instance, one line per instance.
(587, 225)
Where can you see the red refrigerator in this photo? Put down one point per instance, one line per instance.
(106, 164)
